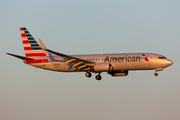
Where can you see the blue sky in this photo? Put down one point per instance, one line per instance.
(90, 27)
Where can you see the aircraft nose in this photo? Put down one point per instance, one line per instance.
(169, 62)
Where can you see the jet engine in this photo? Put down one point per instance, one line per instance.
(103, 67)
(119, 73)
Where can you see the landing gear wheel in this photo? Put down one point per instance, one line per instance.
(98, 77)
(156, 74)
(88, 74)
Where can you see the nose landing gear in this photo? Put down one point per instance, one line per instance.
(159, 69)
(156, 74)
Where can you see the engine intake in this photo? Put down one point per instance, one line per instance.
(119, 73)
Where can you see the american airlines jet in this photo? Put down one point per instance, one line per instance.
(113, 64)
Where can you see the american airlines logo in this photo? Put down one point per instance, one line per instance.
(125, 59)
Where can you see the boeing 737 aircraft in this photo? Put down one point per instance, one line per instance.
(113, 64)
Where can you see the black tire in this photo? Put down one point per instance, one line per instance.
(156, 74)
(88, 74)
(98, 77)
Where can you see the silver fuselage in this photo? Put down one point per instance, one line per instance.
(125, 61)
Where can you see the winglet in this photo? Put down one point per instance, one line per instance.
(42, 45)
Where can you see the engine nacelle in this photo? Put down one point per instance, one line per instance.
(103, 67)
(119, 73)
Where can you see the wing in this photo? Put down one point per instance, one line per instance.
(82, 63)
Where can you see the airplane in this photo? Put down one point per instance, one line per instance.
(118, 64)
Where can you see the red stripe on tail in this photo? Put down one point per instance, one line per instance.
(25, 42)
(35, 54)
(23, 35)
(28, 48)
(21, 29)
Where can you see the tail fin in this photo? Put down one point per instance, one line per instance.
(32, 48)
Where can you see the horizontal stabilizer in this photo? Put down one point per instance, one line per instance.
(20, 57)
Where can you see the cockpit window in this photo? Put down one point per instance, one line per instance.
(162, 57)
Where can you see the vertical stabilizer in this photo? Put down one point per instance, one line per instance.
(31, 47)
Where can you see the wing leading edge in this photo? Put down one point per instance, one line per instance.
(82, 63)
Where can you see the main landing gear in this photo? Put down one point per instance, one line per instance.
(88, 74)
(98, 77)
